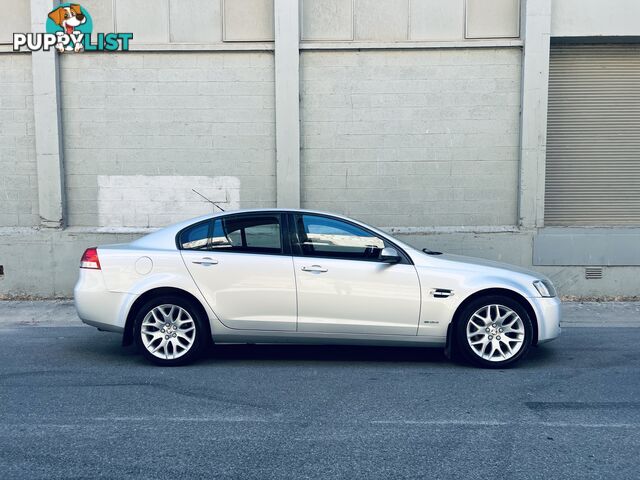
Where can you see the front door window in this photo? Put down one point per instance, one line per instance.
(332, 238)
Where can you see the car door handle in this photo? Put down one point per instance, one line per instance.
(315, 269)
(206, 261)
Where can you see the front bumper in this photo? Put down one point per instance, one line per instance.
(548, 312)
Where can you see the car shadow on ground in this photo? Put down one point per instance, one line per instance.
(323, 353)
(283, 354)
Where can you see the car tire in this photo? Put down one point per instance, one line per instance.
(171, 330)
(494, 332)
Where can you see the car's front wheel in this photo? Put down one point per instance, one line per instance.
(170, 331)
(494, 332)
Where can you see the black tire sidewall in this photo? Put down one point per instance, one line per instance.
(461, 331)
(200, 341)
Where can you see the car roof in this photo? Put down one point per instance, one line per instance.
(279, 209)
(263, 210)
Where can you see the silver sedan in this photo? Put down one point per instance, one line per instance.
(298, 276)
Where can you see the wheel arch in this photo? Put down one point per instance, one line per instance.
(494, 291)
(127, 337)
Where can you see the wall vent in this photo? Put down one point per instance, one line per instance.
(593, 273)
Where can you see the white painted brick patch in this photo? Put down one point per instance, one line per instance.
(155, 201)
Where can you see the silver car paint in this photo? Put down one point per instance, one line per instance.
(104, 297)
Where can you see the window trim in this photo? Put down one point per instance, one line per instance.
(283, 224)
(297, 251)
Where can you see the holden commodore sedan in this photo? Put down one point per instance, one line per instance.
(298, 276)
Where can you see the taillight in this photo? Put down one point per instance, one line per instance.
(90, 259)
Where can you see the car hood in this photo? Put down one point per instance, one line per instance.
(463, 261)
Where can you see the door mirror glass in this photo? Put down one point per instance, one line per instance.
(389, 255)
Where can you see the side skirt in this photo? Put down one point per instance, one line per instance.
(330, 339)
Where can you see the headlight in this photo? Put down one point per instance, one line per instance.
(545, 288)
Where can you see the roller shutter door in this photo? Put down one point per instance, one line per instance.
(593, 136)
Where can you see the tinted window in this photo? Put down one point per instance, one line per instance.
(195, 237)
(327, 237)
(246, 233)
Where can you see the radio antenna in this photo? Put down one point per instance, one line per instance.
(212, 203)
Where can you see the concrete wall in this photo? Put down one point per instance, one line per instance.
(408, 20)
(182, 114)
(186, 22)
(15, 18)
(18, 177)
(207, 22)
(416, 115)
(587, 18)
(412, 138)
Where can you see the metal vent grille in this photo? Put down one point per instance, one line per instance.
(593, 136)
(593, 273)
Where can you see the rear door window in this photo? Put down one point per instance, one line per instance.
(247, 234)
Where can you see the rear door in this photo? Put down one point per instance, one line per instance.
(243, 267)
(342, 285)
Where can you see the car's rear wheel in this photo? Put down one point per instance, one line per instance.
(170, 331)
(494, 332)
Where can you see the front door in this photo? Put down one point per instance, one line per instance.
(342, 285)
(239, 264)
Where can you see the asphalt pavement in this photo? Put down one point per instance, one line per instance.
(75, 404)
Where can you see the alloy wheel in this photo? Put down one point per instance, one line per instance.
(168, 332)
(495, 333)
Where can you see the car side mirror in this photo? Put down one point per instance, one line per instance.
(389, 255)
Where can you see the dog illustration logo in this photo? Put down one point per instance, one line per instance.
(69, 28)
(69, 21)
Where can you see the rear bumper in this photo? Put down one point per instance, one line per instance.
(548, 311)
(97, 306)
(105, 327)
